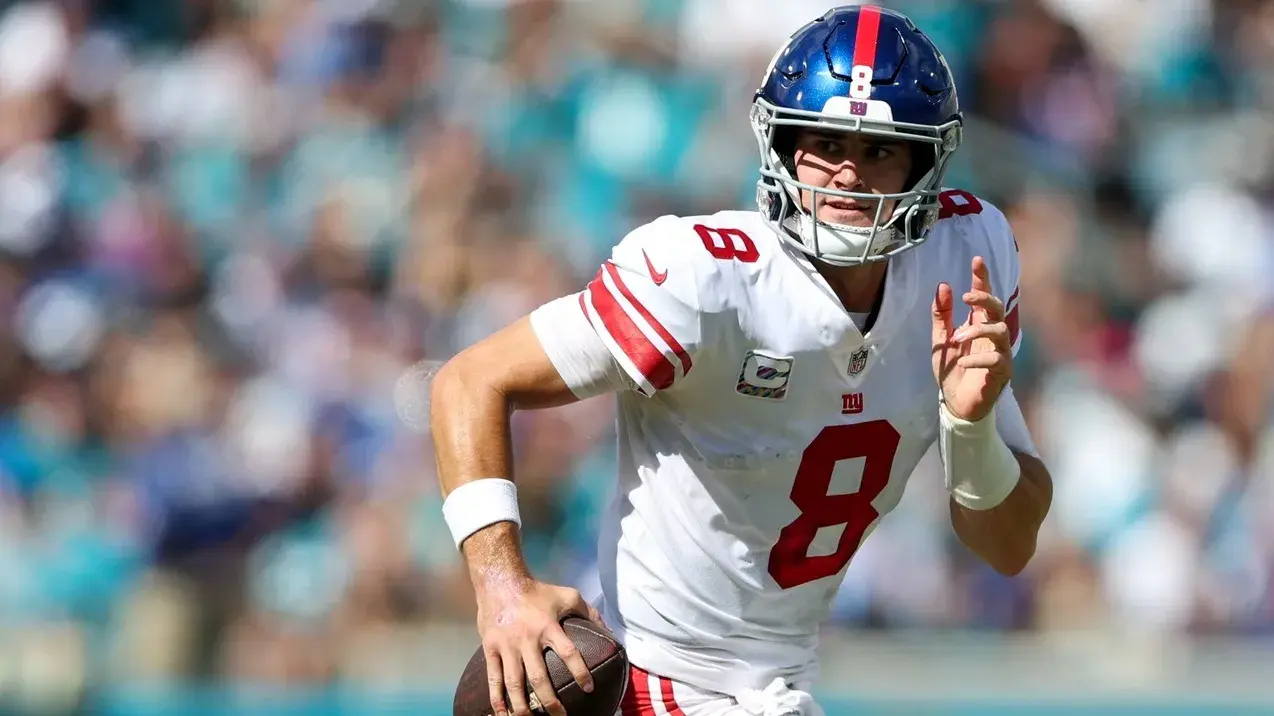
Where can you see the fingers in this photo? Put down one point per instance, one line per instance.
(538, 674)
(565, 649)
(574, 603)
(981, 276)
(943, 302)
(994, 361)
(991, 307)
(997, 333)
(495, 681)
(515, 683)
(514, 649)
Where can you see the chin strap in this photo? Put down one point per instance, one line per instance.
(812, 235)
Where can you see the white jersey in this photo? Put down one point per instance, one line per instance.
(766, 436)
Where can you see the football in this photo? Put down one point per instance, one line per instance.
(602, 654)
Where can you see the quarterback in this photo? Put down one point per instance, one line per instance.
(779, 374)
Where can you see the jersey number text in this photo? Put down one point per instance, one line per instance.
(876, 442)
(957, 202)
(728, 244)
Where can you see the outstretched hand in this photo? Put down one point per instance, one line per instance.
(974, 362)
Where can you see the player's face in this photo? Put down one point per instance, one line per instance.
(846, 161)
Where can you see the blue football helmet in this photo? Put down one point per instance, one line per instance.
(860, 69)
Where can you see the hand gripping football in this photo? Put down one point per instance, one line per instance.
(602, 654)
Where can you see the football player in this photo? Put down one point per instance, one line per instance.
(779, 373)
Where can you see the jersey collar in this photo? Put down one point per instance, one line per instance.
(899, 298)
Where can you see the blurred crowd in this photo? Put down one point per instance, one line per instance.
(229, 227)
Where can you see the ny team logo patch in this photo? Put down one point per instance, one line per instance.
(851, 403)
(858, 361)
(764, 376)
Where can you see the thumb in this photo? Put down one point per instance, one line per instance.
(943, 302)
(574, 604)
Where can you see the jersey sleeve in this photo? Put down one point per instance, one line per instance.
(644, 305)
(575, 350)
(1006, 270)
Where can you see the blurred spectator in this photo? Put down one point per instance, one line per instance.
(227, 227)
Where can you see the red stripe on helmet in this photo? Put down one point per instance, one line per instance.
(868, 34)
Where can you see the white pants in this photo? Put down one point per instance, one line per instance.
(652, 695)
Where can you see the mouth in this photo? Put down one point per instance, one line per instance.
(847, 205)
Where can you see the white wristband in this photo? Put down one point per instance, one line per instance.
(981, 471)
(478, 504)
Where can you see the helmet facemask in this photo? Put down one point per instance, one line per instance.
(779, 193)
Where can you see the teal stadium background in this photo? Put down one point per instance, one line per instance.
(235, 233)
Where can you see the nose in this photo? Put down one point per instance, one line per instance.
(847, 177)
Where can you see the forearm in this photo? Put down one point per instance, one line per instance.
(471, 401)
(471, 434)
(469, 422)
(1005, 536)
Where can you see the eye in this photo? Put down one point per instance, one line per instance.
(827, 146)
(878, 151)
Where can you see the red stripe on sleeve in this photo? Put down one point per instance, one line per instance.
(663, 333)
(1011, 321)
(867, 36)
(1013, 299)
(584, 308)
(650, 361)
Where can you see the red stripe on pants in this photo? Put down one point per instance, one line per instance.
(638, 699)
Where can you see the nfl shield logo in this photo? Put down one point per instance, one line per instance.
(858, 361)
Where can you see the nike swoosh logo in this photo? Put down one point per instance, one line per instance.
(657, 276)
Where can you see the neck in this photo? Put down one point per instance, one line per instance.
(857, 287)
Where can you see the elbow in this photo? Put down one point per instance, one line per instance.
(464, 385)
(442, 387)
(1011, 566)
(1013, 560)
(453, 387)
(448, 381)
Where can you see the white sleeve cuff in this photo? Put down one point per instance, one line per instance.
(573, 346)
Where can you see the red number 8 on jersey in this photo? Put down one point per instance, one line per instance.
(791, 564)
(728, 244)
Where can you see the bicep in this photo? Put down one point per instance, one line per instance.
(548, 358)
(510, 364)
